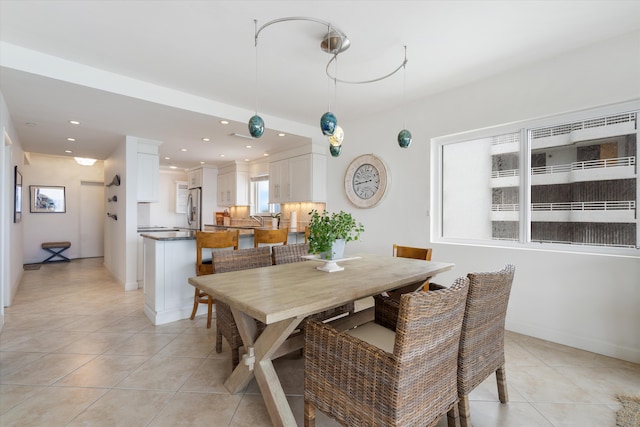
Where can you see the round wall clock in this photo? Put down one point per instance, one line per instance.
(365, 181)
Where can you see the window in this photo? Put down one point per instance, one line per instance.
(260, 197)
(564, 182)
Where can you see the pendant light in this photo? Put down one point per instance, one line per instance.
(334, 42)
(328, 121)
(404, 136)
(256, 124)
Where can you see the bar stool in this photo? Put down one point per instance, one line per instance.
(210, 240)
(270, 237)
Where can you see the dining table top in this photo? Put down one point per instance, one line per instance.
(278, 292)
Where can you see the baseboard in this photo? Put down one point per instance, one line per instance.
(584, 343)
(168, 316)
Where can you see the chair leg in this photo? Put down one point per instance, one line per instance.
(453, 416)
(196, 301)
(465, 414)
(218, 340)
(309, 415)
(501, 377)
(209, 311)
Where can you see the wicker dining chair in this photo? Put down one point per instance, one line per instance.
(210, 240)
(358, 383)
(482, 338)
(223, 262)
(292, 253)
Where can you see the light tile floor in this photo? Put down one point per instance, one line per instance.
(76, 350)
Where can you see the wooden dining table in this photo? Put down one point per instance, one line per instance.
(281, 296)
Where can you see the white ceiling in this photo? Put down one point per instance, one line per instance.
(169, 70)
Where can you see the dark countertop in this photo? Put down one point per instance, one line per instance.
(171, 235)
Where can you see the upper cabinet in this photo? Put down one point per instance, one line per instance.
(194, 178)
(148, 163)
(148, 177)
(298, 179)
(233, 185)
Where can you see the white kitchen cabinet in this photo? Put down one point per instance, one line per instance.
(233, 187)
(298, 179)
(181, 196)
(195, 178)
(148, 177)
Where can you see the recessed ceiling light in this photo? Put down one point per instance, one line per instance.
(265, 154)
(183, 149)
(74, 122)
(248, 146)
(206, 139)
(221, 155)
(282, 134)
(71, 139)
(246, 160)
(68, 151)
(173, 167)
(202, 163)
(167, 158)
(224, 122)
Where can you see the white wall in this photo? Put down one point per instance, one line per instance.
(163, 213)
(11, 256)
(55, 227)
(585, 301)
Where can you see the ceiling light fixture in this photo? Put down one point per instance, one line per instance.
(85, 161)
(334, 42)
(68, 151)
(71, 139)
(224, 122)
(206, 139)
(239, 135)
(74, 122)
(183, 149)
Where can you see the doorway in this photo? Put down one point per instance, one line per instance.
(91, 219)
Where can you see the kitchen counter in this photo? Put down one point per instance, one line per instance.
(170, 235)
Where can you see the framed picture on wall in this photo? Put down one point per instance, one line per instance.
(17, 195)
(47, 199)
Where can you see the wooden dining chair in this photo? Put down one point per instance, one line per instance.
(401, 378)
(205, 241)
(270, 237)
(415, 253)
(411, 252)
(223, 262)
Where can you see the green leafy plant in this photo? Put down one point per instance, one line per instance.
(326, 227)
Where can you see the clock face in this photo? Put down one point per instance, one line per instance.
(365, 181)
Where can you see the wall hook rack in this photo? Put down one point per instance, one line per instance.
(112, 216)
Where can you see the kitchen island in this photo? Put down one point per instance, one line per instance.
(169, 259)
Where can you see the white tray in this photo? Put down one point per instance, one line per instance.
(330, 265)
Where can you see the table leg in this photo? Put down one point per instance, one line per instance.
(260, 364)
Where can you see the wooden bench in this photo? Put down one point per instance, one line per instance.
(56, 249)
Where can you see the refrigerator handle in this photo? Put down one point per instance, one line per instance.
(189, 208)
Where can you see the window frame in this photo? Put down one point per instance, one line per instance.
(525, 127)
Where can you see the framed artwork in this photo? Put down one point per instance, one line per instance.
(47, 199)
(17, 195)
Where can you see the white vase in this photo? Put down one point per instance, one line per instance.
(337, 249)
(274, 222)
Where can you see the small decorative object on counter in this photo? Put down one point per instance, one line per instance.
(275, 220)
(326, 228)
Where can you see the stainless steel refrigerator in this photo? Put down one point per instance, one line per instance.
(194, 209)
